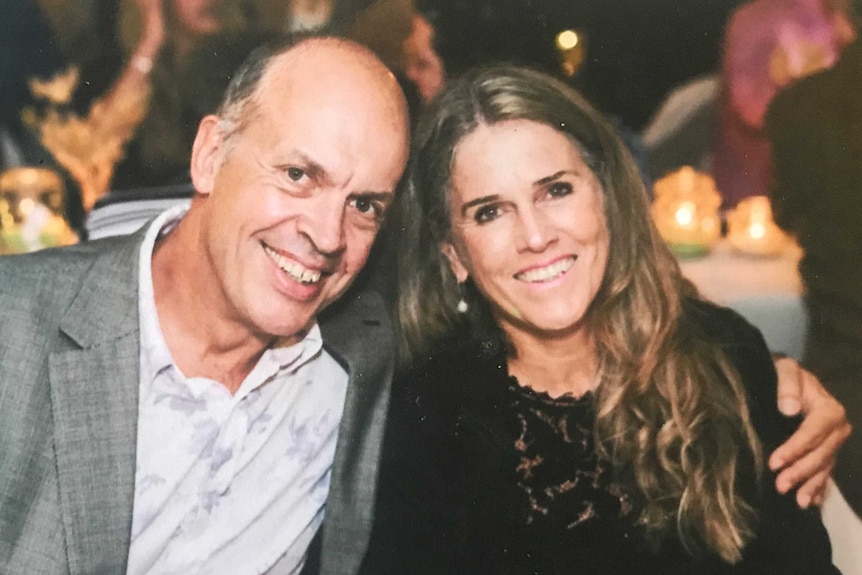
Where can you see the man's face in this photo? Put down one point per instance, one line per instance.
(296, 198)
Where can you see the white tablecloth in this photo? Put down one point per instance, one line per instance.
(768, 293)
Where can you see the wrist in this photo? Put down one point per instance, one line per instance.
(142, 62)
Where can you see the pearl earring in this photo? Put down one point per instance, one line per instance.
(462, 304)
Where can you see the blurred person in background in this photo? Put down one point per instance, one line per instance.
(29, 51)
(768, 44)
(423, 65)
(815, 128)
(158, 153)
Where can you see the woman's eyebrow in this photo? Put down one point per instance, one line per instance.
(553, 177)
(477, 201)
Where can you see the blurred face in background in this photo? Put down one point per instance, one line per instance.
(528, 226)
(424, 67)
(199, 17)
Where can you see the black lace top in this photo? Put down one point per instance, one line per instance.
(565, 485)
(481, 476)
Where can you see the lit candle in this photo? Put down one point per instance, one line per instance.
(685, 211)
(751, 229)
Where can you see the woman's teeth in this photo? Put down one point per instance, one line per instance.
(547, 273)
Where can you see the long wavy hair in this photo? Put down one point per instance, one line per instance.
(671, 413)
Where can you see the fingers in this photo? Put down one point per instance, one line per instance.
(813, 491)
(790, 385)
(813, 440)
(811, 471)
(810, 465)
(812, 433)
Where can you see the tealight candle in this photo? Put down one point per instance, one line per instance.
(751, 229)
(685, 211)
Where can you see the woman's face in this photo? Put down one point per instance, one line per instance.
(527, 226)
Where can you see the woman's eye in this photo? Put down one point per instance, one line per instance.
(487, 213)
(295, 174)
(559, 189)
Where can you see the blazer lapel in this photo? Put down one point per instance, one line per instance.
(359, 334)
(94, 391)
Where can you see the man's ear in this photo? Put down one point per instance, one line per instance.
(448, 250)
(207, 154)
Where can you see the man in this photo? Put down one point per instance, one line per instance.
(815, 127)
(170, 401)
(167, 403)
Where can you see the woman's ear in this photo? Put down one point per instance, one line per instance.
(448, 250)
(206, 155)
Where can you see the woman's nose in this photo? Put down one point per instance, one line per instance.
(535, 231)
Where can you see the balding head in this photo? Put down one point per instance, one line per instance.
(301, 58)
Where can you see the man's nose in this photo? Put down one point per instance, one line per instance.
(325, 225)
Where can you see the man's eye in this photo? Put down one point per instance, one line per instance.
(487, 213)
(295, 174)
(559, 189)
(368, 206)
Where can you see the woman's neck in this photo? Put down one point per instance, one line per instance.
(555, 365)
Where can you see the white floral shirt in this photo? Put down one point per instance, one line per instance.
(225, 483)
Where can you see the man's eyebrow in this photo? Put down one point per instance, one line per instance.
(476, 202)
(315, 170)
(376, 196)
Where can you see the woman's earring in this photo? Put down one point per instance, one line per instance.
(462, 304)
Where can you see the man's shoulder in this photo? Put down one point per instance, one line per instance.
(60, 264)
(359, 326)
(48, 277)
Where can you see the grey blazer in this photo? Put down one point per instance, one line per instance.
(69, 360)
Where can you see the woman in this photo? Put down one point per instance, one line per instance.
(571, 405)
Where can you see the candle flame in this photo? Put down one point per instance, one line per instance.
(26, 206)
(757, 230)
(684, 214)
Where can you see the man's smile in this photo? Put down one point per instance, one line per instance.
(293, 268)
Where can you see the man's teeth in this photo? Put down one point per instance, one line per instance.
(291, 268)
(546, 273)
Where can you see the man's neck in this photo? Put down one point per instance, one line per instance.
(204, 337)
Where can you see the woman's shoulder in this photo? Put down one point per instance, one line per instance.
(723, 325)
(744, 347)
(740, 341)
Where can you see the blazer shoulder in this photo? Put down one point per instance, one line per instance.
(39, 287)
(52, 266)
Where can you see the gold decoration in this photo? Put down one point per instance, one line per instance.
(88, 147)
(751, 230)
(685, 211)
(59, 89)
(32, 201)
